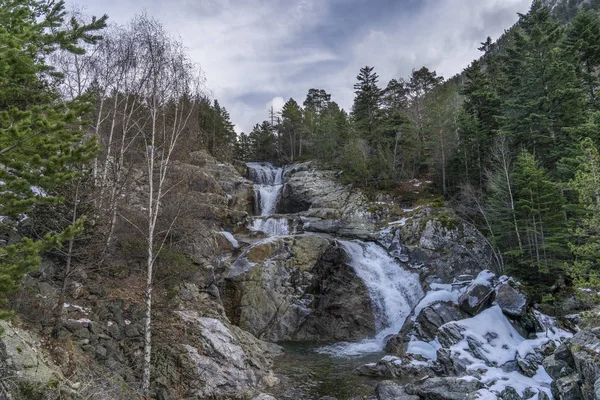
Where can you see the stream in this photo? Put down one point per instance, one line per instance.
(311, 371)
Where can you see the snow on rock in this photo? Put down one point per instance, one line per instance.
(484, 278)
(400, 222)
(426, 349)
(487, 337)
(234, 243)
(446, 293)
(489, 346)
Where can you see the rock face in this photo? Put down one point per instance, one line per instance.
(443, 247)
(575, 367)
(226, 362)
(318, 196)
(297, 288)
(25, 364)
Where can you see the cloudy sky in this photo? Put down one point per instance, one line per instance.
(255, 53)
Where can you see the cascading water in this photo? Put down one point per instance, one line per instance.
(268, 183)
(394, 292)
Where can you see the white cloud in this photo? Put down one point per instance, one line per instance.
(277, 103)
(255, 50)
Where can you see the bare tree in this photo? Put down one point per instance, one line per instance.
(168, 96)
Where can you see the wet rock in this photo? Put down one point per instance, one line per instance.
(444, 246)
(298, 288)
(388, 390)
(512, 302)
(449, 388)
(318, 194)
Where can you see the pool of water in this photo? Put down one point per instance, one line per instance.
(306, 374)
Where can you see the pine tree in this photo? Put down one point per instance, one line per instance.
(543, 96)
(478, 124)
(539, 208)
(39, 140)
(582, 42)
(292, 129)
(585, 269)
(367, 103)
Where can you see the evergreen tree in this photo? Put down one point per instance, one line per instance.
(315, 106)
(367, 103)
(292, 128)
(421, 83)
(477, 125)
(243, 148)
(585, 269)
(262, 142)
(539, 209)
(582, 42)
(39, 140)
(543, 96)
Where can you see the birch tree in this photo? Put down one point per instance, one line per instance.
(168, 95)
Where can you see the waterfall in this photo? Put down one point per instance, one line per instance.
(394, 292)
(268, 182)
(272, 226)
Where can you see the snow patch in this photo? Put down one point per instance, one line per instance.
(234, 243)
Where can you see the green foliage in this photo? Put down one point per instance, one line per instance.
(585, 269)
(40, 143)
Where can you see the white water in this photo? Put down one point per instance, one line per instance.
(268, 182)
(394, 292)
(272, 226)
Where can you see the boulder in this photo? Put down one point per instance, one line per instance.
(449, 388)
(512, 302)
(478, 296)
(225, 361)
(425, 326)
(585, 350)
(388, 390)
(510, 393)
(529, 364)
